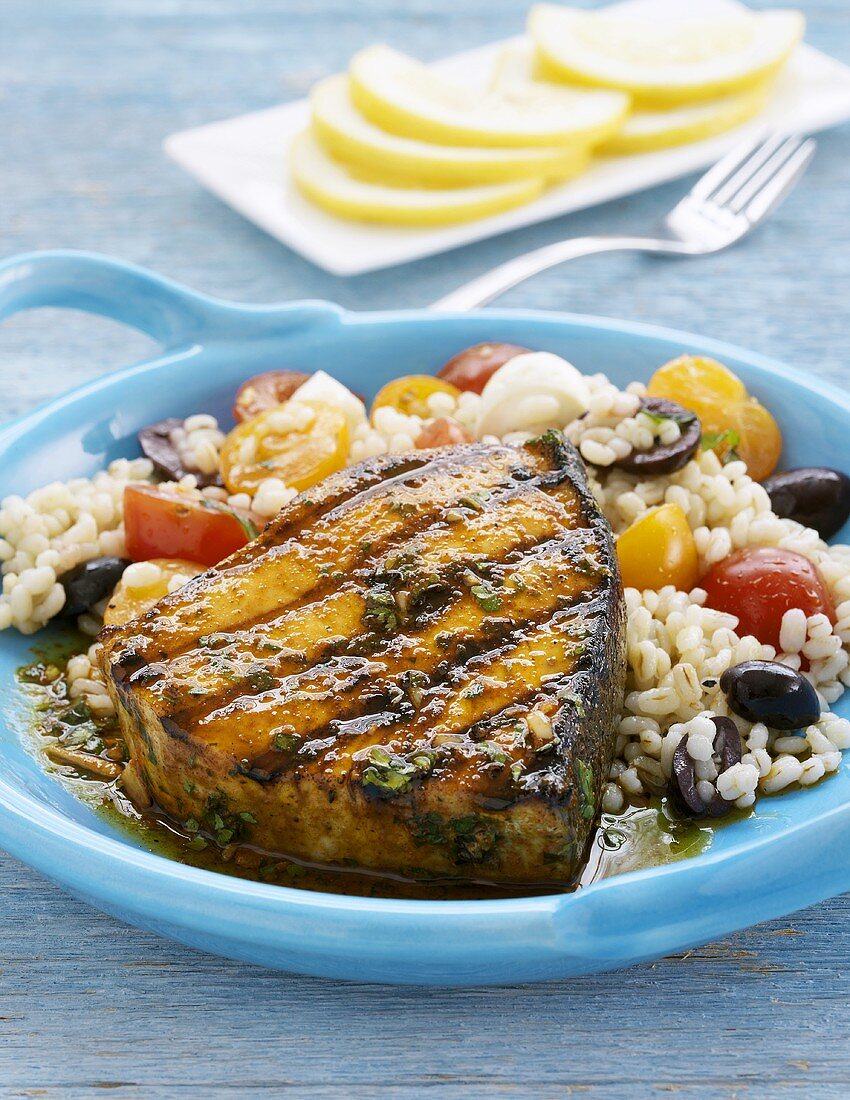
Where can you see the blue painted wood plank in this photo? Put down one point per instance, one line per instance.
(87, 92)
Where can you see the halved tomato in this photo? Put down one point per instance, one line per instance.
(409, 394)
(263, 391)
(299, 442)
(162, 523)
(759, 584)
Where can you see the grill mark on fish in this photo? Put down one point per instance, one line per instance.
(434, 489)
(282, 705)
(513, 679)
(543, 523)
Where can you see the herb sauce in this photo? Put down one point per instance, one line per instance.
(63, 733)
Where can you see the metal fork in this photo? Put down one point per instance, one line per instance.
(722, 207)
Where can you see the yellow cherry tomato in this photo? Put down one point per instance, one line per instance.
(145, 583)
(758, 439)
(702, 385)
(733, 423)
(300, 442)
(659, 549)
(409, 394)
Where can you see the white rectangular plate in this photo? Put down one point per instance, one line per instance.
(244, 162)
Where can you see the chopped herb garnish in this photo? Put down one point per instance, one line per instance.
(216, 641)
(388, 776)
(247, 525)
(260, 678)
(403, 507)
(494, 751)
(427, 829)
(477, 500)
(246, 815)
(484, 593)
(285, 742)
(381, 608)
(188, 786)
(584, 772)
(711, 441)
(658, 418)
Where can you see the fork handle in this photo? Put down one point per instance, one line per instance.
(486, 287)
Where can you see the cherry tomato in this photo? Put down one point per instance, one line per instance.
(733, 423)
(473, 368)
(130, 600)
(300, 442)
(759, 440)
(442, 433)
(659, 549)
(759, 585)
(162, 523)
(409, 394)
(265, 390)
(702, 385)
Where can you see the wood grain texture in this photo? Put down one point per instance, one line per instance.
(88, 90)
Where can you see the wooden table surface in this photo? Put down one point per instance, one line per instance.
(88, 90)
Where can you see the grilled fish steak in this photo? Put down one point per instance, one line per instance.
(414, 670)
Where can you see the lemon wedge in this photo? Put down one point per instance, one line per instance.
(680, 58)
(351, 138)
(404, 97)
(334, 188)
(646, 130)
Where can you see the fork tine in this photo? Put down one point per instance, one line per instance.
(717, 175)
(762, 177)
(748, 169)
(782, 182)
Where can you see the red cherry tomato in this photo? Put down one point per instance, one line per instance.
(265, 390)
(160, 523)
(760, 585)
(473, 368)
(442, 432)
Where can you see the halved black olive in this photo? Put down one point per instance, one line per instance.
(155, 441)
(727, 744)
(770, 692)
(815, 496)
(90, 582)
(665, 458)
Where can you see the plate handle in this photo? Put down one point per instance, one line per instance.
(167, 311)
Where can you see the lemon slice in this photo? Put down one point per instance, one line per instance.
(681, 58)
(646, 130)
(351, 138)
(335, 189)
(404, 97)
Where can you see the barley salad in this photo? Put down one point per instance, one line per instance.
(738, 608)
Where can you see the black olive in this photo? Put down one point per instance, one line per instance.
(665, 458)
(769, 692)
(812, 495)
(727, 744)
(155, 441)
(90, 582)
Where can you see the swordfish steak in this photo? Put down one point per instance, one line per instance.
(414, 670)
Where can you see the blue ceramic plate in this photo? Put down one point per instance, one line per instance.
(790, 854)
